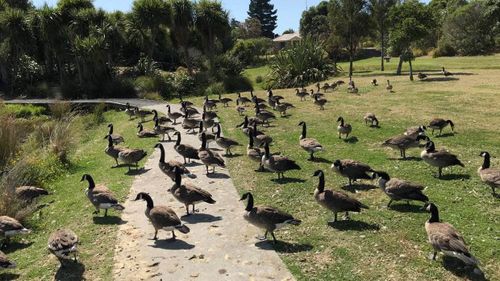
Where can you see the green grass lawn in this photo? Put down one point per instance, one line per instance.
(382, 243)
(71, 209)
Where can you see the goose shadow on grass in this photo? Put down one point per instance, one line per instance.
(353, 225)
(320, 160)
(287, 180)
(358, 187)
(375, 126)
(352, 139)
(449, 177)
(445, 135)
(459, 269)
(169, 244)
(7, 276)
(70, 271)
(137, 172)
(410, 158)
(405, 208)
(200, 218)
(109, 220)
(13, 246)
(283, 246)
(217, 175)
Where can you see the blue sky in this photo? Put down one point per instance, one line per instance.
(289, 11)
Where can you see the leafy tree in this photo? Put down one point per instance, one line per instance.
(181, 27)
(410, 22)
(150, 15)
(212, 24)
(248, 51)
(264, 11)
(349, 22)
(314, 22)
(289, 31)
(379, 11)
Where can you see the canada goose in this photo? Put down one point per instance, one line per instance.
(224, 101)
(145, 133)
(439, 124)
(266, 217)
(445, 238)
(446, 72)
(243, 100)
(209, 104)
(277, 164)
(116, 138)
(190, 124)
(271, 96)
(282, 107)
(188, 110)
(129, 111)
(315, 95)
(112, 150)
(255, 98)
(260, 105)
(389, 87)
(29, 193)
(403, 142)
(132, 156)
(415, 131)
(259, 137)
(210, 137)
(255, 154)
(62, 243)
(352, 169)
(264, 115)
(208, 157)
(161, 119)
(490, 176)
(100, 200)
(374, 82)
(185, 150)
(188, 194)
(240, 109)
(421, 76)
(10, 227)
(301, 95)
(440, 159)
(173, 115)
(398, 189)
(320, 102)
(327, 86)
(339, 82)
(308, 144)
(223, 142)
(335, 201)
(185, 102)
(163, 130)
(343, 129)
(371, 118)
(168, 167)
(352, 88)
(5, 263)
(207, 122)
(142, 113)
(318, 87)
(208, 115)
(161, 217)
(245, 127)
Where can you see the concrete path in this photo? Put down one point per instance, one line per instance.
(220, 246)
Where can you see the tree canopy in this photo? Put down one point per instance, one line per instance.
(264, 11)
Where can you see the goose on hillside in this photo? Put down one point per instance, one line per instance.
(315, 95)
(264, 115)
(490, 176)
(440, 159)
(224, 101)
(142, 113)
(163, 130)
(403, 142)
(389, 87)
(210, 137)
(259, 137)
(255, 154)
(29, 193)
(415, 131)
(101, 198)
(266, 217)
(283, 107)
(243, 100)
(63, 243)
(168, 167)
(130, 111)
(301, 94)
(161, 119)
(440, 124)
(188, 194)
(240, 109)
(398, 189)
(185, 150)
(308, 144)
(255, 98)
(352, 169)
(372, 119)
(208, 157)
(277, 164)
(320, 102)
(446, 72)
(115, 137)
(343, 128)
(209, 104)
(10, 227)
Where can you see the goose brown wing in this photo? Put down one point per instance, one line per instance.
(62, 239)
(491, 175)
(272, 215)
(445, 237)
(163, 216)
(8, 223)
(104, 198)
(340, 201)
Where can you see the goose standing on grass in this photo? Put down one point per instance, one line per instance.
(255, 98)
(185, 102)
(444, 238)
(389, 87)
(115, 137)
(173, 115)
(283, 107)
(415, 131)
(371, 118)
(188, 194)
(320, 102)
(272, 97)
(421, 76)
(5, 262)
(208, 157)
(240, 109)
(243, 100)
(132, 156)
(210, 137)
(142, 133)
(10, 227)
(315, 95)
(168, 167)
(352, 169)
(101, 200)
(335, 201)
(29, 193)
(142, 113)
(398, 189)
(264, 115)
(129, 111)
(162, 217)
(277, 164)
(302, 95)
(446, 72)
(374, 82)
(308, 144)
(162, 119)
(163, 130)
(440, 124)
(403, 142)
(255, 154)
(440, 159)
(185, 150)
(490, 176)
(224, 101)
(223, 142)
(244, 126)
(343, 129)
(265, 217)
(112, 150)
(259, 137)
(63, 243)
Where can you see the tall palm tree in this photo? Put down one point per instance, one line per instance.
(212, 22)
(151, 15)
(181, 26)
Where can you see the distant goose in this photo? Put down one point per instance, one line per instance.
(129, 111)
(374, 82)
(163, 130)
(389, 87)
(371, 118)
(259, 137)
(210, 137)
(208, 157)
(415, 131)
(446, 72)
(115, 137)
(185, 102)
(352, 169)
(440, 124)
(102, 199)
(63, 243)
(185, 150)
(403, 142)
(283, 107)
(188, 110)
(10, 227)
(224, 101)
(243, 100)
(320, 102)
(209, 115)
(255, 154)
(302, 95)
(440, 159)
(308, 144)
(142, 113)
(277, 164)
(343, 129)
(240, 109)
(161, 119)
(190, 124)
(173, 115)
(162, 217)
(335, 201)
(316, 95)
(256, 99)
(209, 104)
(445, 238)
(421, 76)
(264, 115)
(271, 96)
(188, 194)
(5, 262)
(265, 217)
(490, 176)
(398, 189)
(168, 167)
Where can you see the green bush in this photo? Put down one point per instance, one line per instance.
(119, 88)
(24, 111)
(259, 79)
(215, 89)
(237, 84)
(444, 49)
(249, 51)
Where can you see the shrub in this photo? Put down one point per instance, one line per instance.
(444, 49)
(60, 110)
(98, 114)
(146, 66)
(259, 79)
(215, 89)
(237, 84)
(119, 88)
(24, 111)
(249, 51)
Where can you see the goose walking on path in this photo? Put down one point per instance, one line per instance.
(168, 168)
(185, 150)
(223, 142)
(189, 194)
(208, 157)
(173, 115)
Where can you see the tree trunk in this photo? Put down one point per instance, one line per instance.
(350, 66)
(411, 70)
(382, 50)
(400, 65)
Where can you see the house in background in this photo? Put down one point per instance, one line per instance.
(286, 39)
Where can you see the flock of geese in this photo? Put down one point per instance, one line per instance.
(442, 236)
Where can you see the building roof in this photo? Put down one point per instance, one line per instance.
(288, 37)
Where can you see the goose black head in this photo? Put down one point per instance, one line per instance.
(86, 177)
(318, 173)
(245, 196)
(429, 146)
(382, 175)
(177, 133)
(337, 163)
(158, 145)
(141, 196)
(423, 137)
(430, 207)
(301, 123)
(484, 154)
(340, 119)
(110, 125)
(139, 125)
(451, 124)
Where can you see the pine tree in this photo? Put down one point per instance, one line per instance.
(264, 11)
